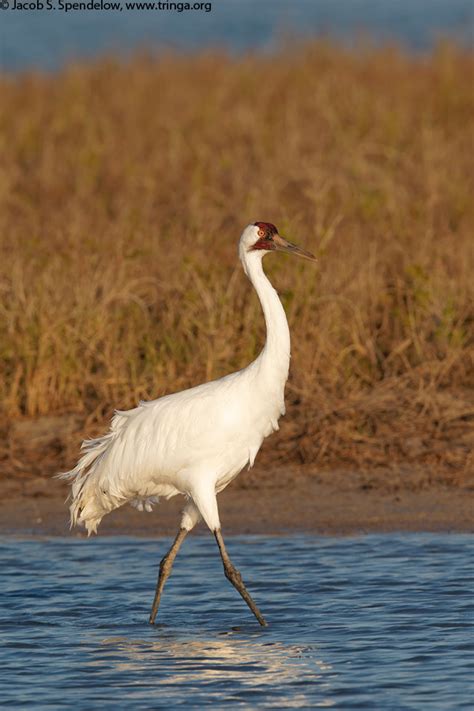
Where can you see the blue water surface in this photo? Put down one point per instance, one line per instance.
(372, 622)
(47, 38)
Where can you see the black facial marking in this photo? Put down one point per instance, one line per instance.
(266, 233)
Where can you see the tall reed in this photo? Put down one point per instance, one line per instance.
(123, 190)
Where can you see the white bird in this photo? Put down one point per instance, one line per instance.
(193, 442)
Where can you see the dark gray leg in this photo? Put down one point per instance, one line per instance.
(165, 569)
(233, 575)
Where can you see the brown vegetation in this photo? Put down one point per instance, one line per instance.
(123, 191)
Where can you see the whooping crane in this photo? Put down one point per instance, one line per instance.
(196, 441)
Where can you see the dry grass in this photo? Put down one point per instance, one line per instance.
(124, 188)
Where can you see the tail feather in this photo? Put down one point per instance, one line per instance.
(87, 506)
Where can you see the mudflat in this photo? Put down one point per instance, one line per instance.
(271, 498)
(262, 501)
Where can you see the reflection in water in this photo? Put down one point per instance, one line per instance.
(273, 662)
(377, 622)
(245, 662)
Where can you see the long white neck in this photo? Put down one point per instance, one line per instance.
(274, 360)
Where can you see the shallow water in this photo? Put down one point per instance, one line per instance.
(373, 622)
(47, 38)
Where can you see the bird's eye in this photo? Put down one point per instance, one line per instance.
(261, 233)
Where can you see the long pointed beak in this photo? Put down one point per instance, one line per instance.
(282, 245)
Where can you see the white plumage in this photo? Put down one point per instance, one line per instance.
(196, 441)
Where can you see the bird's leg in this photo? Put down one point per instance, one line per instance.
(165, 569)
(233, 575)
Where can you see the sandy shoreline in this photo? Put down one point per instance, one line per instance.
(329, 504)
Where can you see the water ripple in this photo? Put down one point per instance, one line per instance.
(375, 622)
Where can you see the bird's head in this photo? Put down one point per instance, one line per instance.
(263, 237)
